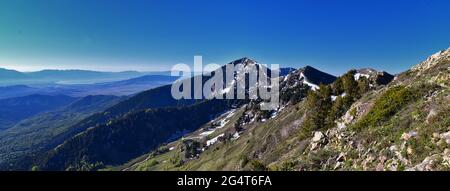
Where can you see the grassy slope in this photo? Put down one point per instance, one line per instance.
(272, 139)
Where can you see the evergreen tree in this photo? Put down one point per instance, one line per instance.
(349, 84)
(337, 87)
(318, 107)
(363, 86)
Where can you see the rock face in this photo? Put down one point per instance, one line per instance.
(375, 77)
(383, 78)
(433, 60)
(317, 140)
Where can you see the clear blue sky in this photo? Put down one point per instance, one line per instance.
(112, 35)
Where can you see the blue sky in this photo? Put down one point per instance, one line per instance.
(114, 35)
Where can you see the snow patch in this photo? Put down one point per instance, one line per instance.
(236, 135)
(314, 87)
(222, 123)
(286, 78)
(206, 133)
(273, 115)
(228, 88)
(333, 98)
(359, 75)
(213, 140)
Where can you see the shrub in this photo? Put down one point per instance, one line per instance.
(258, 165)
(387, 105)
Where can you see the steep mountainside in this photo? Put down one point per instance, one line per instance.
(355, 123)
(129, 136)
(13, 110)
(44, 131)
(404, 126)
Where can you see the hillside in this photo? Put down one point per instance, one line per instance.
(355, 123)
(44, 130)
(129, 136)
(13, 110)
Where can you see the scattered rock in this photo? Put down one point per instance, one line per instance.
(341, 157)
(338, 165)
(445, 137)
(409, 151)
(446, 158)
(436, 136)
(426, 165)
(392, 165)
(430, 116)
(317, 136)
(407, 136)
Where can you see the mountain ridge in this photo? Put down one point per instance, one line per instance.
(384, 127)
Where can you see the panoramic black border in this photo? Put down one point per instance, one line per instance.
(167, 180)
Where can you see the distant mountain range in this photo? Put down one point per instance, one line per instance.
(117, 88)
(12, 77)
(80, 83)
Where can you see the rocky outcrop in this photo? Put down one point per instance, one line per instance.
(432, 60)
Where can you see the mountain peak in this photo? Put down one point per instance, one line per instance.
(366, 70)
(308, 67)
(376, 77)
(7, 70)
(316, 76)
(245, 61)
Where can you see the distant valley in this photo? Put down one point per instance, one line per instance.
(13, 77)
(117, 88)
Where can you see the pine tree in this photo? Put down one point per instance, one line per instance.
(318, 107)
(349, 84)
(337, 87)
(363, 86)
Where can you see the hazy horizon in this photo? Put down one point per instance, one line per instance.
(145, 69)
(148, 36)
